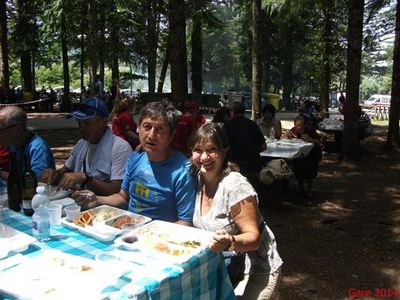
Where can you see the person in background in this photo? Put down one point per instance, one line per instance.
(306, 169)
(169, 105)
(98, 87)
(342, 100)
(193, 106)
(114, 94)
(186, 125)
(157, 181)
(222, 115)
(24, 144)
(364, 124)
(226, 204)
(98, 160)
(246, 141)
(268, 121)
(123, 124)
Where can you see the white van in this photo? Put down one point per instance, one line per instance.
(377, 100)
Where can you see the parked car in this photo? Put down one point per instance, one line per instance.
(377, 100)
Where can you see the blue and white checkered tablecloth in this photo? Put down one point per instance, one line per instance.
(203, 276)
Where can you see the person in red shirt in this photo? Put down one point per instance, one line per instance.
(193, 107)
(123, 124)
(186, 124)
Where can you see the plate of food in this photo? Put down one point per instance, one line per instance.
(104, 222)
(172, 241)
(53, 274)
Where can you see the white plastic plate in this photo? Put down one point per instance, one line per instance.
(167, 240)
(102, 229)
(13, 240)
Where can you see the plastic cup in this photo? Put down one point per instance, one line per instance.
(72, 212)
(55, 211)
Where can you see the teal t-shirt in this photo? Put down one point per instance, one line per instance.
(163, 190)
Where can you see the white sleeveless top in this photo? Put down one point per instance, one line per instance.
(232, 189)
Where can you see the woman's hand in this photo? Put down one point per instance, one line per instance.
(220, 241)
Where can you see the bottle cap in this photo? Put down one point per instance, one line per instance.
(40, 189)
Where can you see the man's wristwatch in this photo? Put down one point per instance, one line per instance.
(233, 242)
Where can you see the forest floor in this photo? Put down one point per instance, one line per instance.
(342, 242)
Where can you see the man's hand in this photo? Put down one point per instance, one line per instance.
(50, 176)
(86, 199)
(72, 180)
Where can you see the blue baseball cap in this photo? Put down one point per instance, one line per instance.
(90, 108)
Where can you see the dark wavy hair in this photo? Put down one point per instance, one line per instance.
(269, 107)
(214, 132)
(157, 110)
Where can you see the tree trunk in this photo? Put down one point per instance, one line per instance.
(152, 44)
(164, 68)
(326, 51)
(26, 70)
(4, 66)
(92, 41)
(197, 50)
(114, 44)
(102, 46)
(393, 139)
(66, 104)
(177, 26)
(82, 45)
(256, 60)
(287, 71)
(24, 33)
(351, 142)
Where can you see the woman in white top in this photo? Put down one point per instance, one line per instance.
(268, 121)
(226, 203)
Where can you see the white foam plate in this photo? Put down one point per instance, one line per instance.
(14, 240)
(103, 230)
(173, 238)
(57, 275)
(64, 202)
(60, 194)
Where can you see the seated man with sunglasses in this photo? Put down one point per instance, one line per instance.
(27, 149)
(98, 160)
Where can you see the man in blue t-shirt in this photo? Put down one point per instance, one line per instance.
(157, 182)
(28, 149)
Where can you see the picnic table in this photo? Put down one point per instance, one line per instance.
(287, 149)
(204, 275)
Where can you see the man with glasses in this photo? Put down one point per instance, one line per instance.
(28, 149)
(97, 162)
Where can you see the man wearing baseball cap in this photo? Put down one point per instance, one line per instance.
(97, 162)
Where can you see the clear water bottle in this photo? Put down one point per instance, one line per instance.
(3, 193)
(41, 217)
(272, 134)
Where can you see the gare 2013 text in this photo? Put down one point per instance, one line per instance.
(376, 293)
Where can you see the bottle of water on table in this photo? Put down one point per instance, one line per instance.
(272, 134)
(41, 217)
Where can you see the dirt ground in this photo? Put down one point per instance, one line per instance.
(346, 240)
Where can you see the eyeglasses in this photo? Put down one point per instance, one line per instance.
(8, 127)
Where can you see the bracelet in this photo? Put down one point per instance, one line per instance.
(233, 243)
